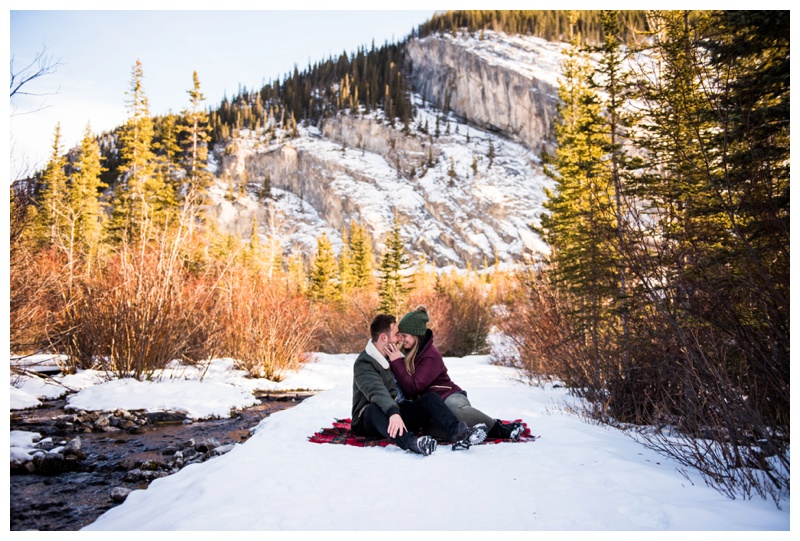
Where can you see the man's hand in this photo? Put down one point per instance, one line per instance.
(393, 352)
(396, 426)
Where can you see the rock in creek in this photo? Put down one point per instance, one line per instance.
(49, 457)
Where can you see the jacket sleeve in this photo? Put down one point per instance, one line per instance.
(426, 369)
(370, 383)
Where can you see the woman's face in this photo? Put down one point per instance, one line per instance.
(408, 340)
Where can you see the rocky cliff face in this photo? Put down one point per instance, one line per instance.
(500, 82)
(466, 196)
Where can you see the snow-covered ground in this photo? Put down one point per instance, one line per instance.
(576, 476)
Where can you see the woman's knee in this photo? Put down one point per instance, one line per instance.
(457, 401)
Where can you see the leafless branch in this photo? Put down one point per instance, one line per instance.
(43, 64)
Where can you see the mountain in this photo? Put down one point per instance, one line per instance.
(465, 179)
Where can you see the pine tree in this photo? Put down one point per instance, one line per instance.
(140, 203)
(52, 196)
(362, 260)
(324, 279)
(253, 253)
(86, 209)
(718, 183)
(346, 279)
(452, 172)
(195, 140)
(577, 226)
(296, 274)
(393, 266)
(166, 153)
(617, 89)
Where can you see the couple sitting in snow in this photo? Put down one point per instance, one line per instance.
(396, 396)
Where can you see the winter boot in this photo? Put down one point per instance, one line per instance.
(510, 431)
(460, 440)
(424, 445)
(469, 436)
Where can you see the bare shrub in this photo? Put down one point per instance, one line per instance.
(344, 326)
(33, 280)
(534, 321)
(441, 322)
(677, 395)
(690, 408)
(138, 313)
(470, 314)
(267, 327)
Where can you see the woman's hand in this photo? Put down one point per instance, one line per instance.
(393, 352)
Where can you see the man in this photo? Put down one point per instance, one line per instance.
(380, 410)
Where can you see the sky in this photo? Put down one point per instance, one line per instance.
(576, 476)
(96, 50)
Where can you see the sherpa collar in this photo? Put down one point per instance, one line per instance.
(373, 352)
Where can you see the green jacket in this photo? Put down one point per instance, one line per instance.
(373, 383)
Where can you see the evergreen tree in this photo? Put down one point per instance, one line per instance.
(577, 226)
(86, 209)
(253, 253)
(362, 260)
(142, 199)
(718, 183)
(195, 140)
(452, 172)
(617, 89)
(166, 152)
(324, 279)
(346, 281)
(296, 274)
(393, 266)
(52, 196)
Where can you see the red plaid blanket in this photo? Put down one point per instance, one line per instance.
(341, 433)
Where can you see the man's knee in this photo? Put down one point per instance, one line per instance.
(374, 422)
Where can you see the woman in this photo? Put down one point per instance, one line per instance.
(422, 370)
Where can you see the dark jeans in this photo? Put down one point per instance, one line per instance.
(416, 414)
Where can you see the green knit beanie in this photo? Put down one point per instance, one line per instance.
(415, 322)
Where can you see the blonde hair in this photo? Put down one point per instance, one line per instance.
(412, 353)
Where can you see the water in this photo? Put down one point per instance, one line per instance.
(71, 500)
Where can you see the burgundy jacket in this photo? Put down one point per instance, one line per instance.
(430, 373)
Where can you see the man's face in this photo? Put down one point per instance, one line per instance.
(387, 339)
(393, 334)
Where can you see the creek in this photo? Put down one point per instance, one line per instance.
(71, 500)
